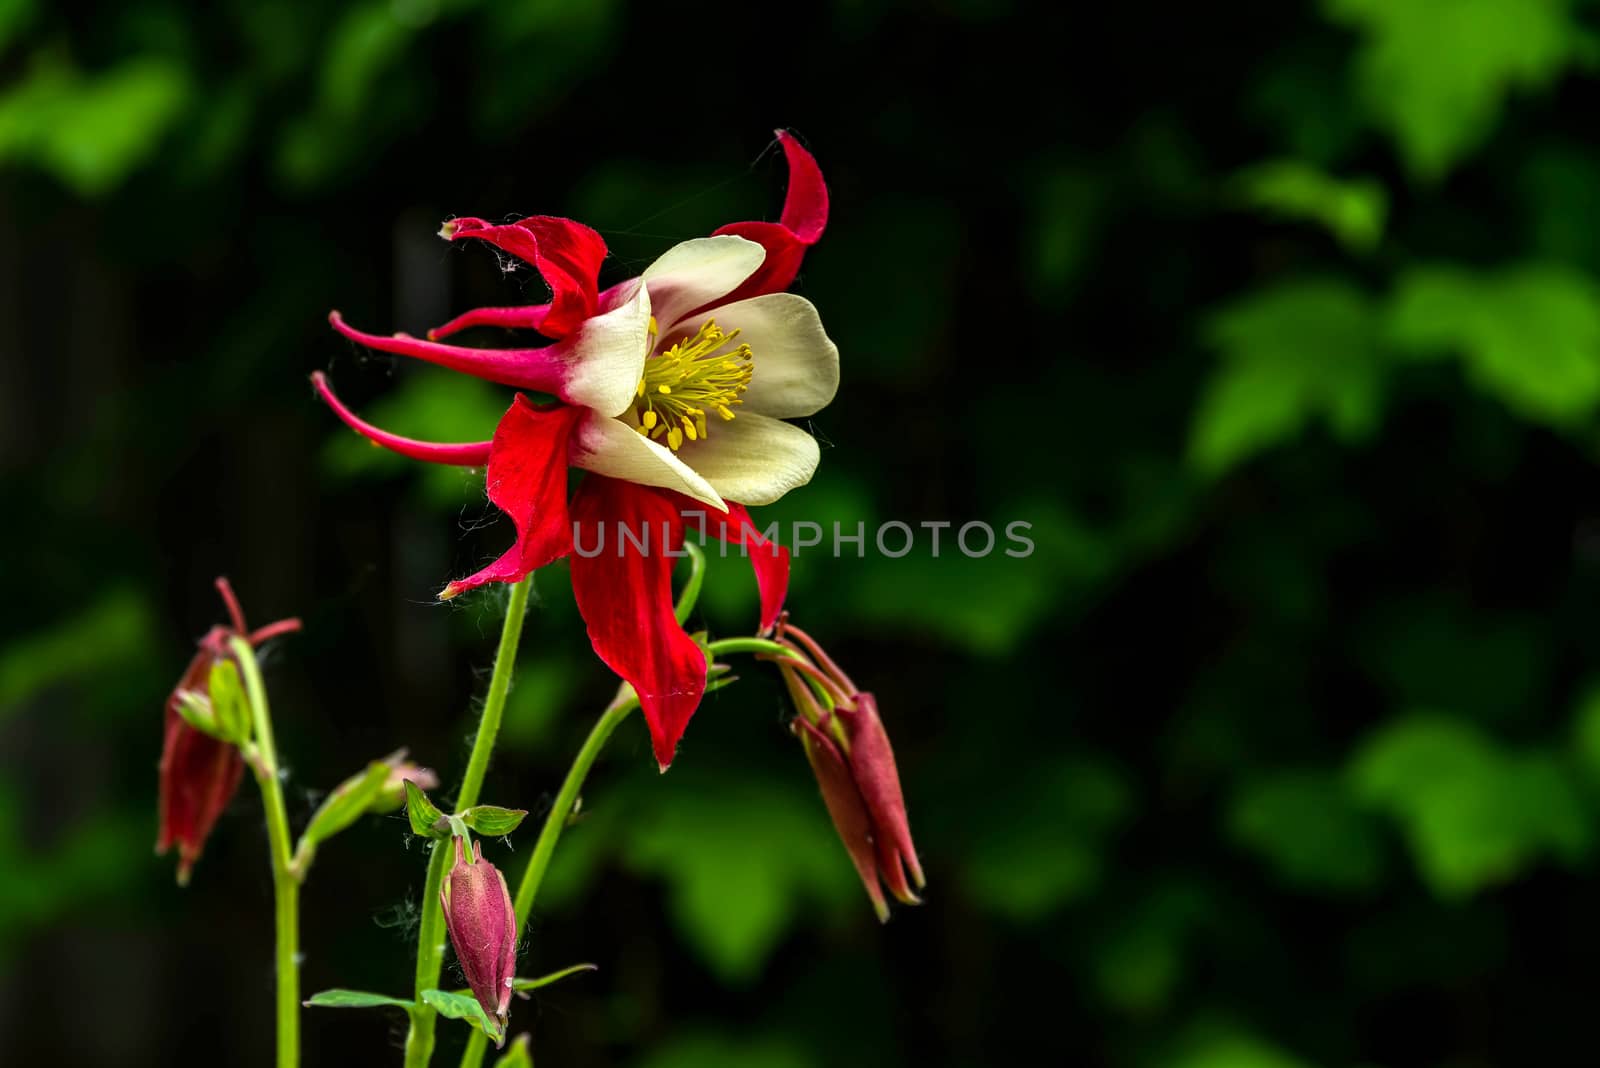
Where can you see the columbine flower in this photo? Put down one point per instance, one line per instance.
(672, 390)
(483, 928)
(849, 752)
(199, 773)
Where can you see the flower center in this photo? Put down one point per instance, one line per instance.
(697, 375)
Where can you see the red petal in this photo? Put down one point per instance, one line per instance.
(805, 216)
(568, 254)
(527, 480)
(769, 559)
(470, 454)
(543, 369)
(625, 597)
(529, 317)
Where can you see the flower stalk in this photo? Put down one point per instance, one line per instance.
(431, 930)
(555, 821)
(263, 758)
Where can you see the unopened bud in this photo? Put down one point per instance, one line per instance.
(483, 928)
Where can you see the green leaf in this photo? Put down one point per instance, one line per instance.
(1352, 210)
(426, 819)
(356, 999)
(463, 1007)
(347, 803)
(1435, 74)
(1305, 825)
(229, 708)
(1299, 352)
(518, 1055)
(1528, 335)
(1475, 814)
(493, 821)
(553, 977)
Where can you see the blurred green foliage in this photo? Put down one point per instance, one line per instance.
(1278, 327)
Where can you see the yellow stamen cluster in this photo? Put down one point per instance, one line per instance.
(693, 377)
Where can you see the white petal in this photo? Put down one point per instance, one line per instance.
(753, 459)
(605, 358)
(796, 366)
(698, 272)
(611, 447)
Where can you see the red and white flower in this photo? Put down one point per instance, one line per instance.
(672, 390)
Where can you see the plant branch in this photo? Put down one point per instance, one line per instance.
(285, 886)
(430, 931)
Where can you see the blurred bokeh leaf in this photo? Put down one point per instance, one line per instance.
(1138, 959)
(1435, 73)
(1351, 209)
(1306, 827)
(432, 406)
(1528, 335)
(743, 859)
(1235, 1050)
(1043, 844)
(1474, 813)
(109, 633)
(91, 131)
(1297, 352)
(716, 1051)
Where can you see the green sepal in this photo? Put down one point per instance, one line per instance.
(426, 819)
(464, 1007)
(717, 676)
(545, 980)
(228, 705)
(524, 985)
(493, 821)
(356, 999)
(517, 1056)
(347, 803)
(195, 708)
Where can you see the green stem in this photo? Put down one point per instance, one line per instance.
(749, 645)
(285, 887)
(691, 588)
(430, 931)
(555, 821)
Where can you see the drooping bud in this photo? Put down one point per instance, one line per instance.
(200, 773)
(483, 928)
(872, 765)
(849, 752)
(845, 805)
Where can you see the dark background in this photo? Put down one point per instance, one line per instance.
(1280, 324)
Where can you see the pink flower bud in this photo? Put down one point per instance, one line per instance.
(872, 765)
(850, 755)
(483, 928)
